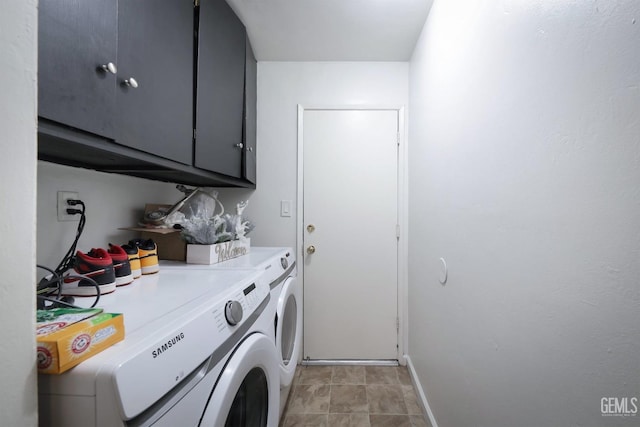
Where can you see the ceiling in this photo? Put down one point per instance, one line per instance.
(332, 30)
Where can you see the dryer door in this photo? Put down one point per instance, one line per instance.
(247, 393)
(289, 332)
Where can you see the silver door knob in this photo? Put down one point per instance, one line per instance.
(109, 67)
(239, 145)
(311, 249)
(250, 149)
(311, 228)
(131, 82)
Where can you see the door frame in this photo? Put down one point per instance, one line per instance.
(403, 221)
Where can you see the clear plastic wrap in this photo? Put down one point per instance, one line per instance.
(203, 220)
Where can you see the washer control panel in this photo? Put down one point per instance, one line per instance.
(240, 305)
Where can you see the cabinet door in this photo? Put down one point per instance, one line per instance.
(75, 39)
(250, 116)
(155, 48)
(220, 89)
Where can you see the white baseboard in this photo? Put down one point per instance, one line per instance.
(422, 398)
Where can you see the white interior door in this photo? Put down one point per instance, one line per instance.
(350, 217)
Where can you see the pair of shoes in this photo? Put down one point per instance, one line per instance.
(143, 256)
(90, 274)
(123, 266)
(118, 266)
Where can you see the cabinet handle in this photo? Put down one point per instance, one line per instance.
(109, 67)
(131, 82)
(250, 149)
(239, 145)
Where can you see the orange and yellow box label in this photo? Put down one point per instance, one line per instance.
(61, 349)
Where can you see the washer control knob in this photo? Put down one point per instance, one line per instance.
(233, 312)
(284, 262)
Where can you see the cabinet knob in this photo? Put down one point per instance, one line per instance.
(239, 145)
(131, 82)
(311, 250)
(250, 149)
(109, 67)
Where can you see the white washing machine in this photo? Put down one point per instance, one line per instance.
(278, 266)
(197, 352)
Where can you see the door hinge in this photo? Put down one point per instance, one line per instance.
(196, 3)
(194, 134)
(397, 324)
(398, 231)
(398, 138)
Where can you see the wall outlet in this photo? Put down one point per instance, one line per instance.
(63, 196)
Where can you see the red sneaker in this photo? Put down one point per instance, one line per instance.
(97, 265)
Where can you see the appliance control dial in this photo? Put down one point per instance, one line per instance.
(233, 312)
(284, 262)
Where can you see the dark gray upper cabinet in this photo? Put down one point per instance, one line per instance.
(250, 116)
(75, 39)
(220, 88)
(118, 84)
(154, 91)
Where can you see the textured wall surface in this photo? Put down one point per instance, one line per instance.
(524, 129)
(281, 87)
(112, 201)
(18, 45)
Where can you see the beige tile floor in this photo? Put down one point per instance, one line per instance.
(355, 396)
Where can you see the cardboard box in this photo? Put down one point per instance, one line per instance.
(62, 347)
(171, 246)
(213, 254)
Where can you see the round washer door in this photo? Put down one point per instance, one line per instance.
(247, 393)
(289, 333)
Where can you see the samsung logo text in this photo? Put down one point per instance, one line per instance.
(166, 346)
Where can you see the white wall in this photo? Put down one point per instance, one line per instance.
(112, 201)
(115, 200)
(524, 175)
(281, 87)
(18, 43)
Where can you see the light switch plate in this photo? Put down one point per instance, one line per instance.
(285, 208)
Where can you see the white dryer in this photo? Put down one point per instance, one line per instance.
(197, 352)
(278, 266)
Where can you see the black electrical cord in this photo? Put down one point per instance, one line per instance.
(67, 260)
(44, 286)
(93, 282)
(44, 289)
(56, 302)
